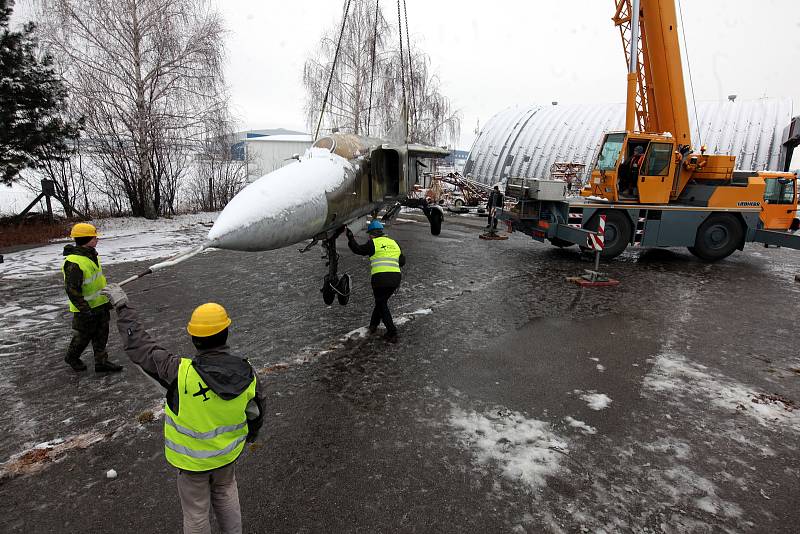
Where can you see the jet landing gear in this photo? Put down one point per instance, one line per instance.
(434, 213)
(333, 285)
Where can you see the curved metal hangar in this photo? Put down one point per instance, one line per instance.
(526, 141)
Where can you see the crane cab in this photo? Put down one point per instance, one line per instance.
(652, 169)
(634, 168)
(779, 210)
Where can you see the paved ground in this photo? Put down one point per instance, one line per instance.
(514, 402)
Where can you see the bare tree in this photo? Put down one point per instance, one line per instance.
(70, 182)
(220, 173)
(366, 91)
(144, 74)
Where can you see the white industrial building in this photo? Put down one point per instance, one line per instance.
(526, 141)
(270, 152)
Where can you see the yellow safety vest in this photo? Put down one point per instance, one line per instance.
(208, 432)
(387, 256)
(93, 280)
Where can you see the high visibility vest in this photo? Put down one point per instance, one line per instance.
(387, 256)
(93, 280)
(207, 432)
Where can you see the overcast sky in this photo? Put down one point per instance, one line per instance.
(491, 55)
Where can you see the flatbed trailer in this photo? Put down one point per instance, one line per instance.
(709, 233)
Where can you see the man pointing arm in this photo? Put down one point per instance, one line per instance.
(213, 405)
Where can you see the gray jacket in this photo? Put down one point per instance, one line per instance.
(225, 374)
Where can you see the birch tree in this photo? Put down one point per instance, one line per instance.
(366, 94)
(219, 174)
(144, 74)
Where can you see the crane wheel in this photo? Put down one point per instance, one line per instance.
(618, 232)
(718, 237)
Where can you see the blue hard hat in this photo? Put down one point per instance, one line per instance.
(374, 224)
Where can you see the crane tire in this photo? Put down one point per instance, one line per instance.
(617, 235)
(718, 237)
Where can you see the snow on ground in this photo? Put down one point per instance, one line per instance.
(596, 401)
(525, 450)
(38, 457)
(580, 425)
(683, 380)
(363, 331)
(122, 240)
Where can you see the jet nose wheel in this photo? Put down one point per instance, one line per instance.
(343, 290)
(328, 293)
(336, 288)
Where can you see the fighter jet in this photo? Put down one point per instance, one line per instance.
(340, 179)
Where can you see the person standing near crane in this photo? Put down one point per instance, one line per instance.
(632, 168)
(494, 205)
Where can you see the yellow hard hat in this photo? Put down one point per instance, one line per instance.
(83, 230)
(207, 320)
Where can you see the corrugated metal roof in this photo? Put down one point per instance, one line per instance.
(526, 141)
(299, 138)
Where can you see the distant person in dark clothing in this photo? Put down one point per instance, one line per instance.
(493, 206)
(83, 281)
(633, 166)
(386, 259)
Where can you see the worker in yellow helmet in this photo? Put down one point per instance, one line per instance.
(83, 280)
(214, 405)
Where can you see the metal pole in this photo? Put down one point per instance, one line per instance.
(633, 65)
(49, 209)
(597, 260)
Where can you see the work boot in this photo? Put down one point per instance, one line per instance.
(76, 364)
(391, 337)
(106, 367)
(372, 330)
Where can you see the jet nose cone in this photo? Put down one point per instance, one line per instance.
(283, 207)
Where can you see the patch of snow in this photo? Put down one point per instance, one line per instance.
(525, 450)
(358, 333)
(601, 367)
(580, 425)
(683, 380)
(596, 401)
(122, 240)
(670, 446)
(40, 456)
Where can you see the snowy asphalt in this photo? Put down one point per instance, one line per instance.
(514, 402)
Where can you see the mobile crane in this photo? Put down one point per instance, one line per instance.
(680, 197)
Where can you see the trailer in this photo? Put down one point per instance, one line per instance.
(545, 213)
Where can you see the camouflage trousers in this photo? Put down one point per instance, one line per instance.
(90, 328)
